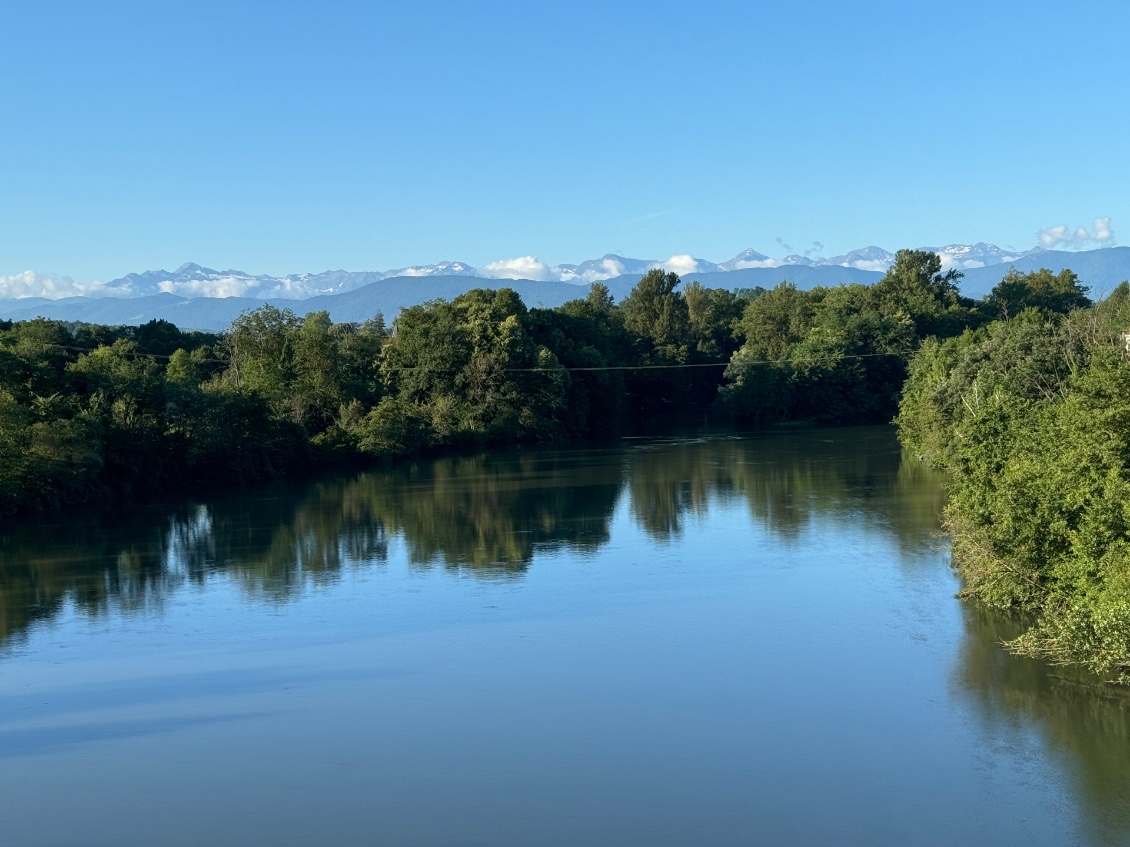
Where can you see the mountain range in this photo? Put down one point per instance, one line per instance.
(193, 280)
(196, 297)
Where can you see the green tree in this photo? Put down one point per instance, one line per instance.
(1040, 289)
(772, 323)
(260, 348)
(658, 313)
(1031, 418)
(916, 287)
(471, 368)
(713, 314)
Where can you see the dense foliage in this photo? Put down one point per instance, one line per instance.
(837, 355)
(1023, 397)
(89, 411)
(1031, 417)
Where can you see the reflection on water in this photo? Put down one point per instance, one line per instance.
(490, 517)
(856, 474)
(1086, 725)
(486, 515)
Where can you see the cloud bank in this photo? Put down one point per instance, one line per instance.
(681, 264)
(48, 285)
(233, 285)
(757, 263)
(224, 286)
(530, 267)
(522, 267)
(880, 265)
(599, 270)
(1063, 237)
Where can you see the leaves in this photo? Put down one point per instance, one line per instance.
(1031, 417)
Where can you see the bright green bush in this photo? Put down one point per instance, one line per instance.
(1031, 418)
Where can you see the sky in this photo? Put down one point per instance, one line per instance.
(299, 137)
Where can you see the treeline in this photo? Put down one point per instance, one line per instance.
(1030, 415)
(91, 411)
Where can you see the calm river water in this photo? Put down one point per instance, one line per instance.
(706, 641)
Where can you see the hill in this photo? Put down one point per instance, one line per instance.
(387, 296)
(1102, 270)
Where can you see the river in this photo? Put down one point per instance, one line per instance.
(710, 640)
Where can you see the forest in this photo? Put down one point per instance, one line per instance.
(1022, 398)
(88, 412)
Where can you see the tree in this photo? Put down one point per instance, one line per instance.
(319, 379)
(1042, 289)
(260, 347)
(915, 286)
(775, 321)
(713, 314)
(655, 311)
(471, 368)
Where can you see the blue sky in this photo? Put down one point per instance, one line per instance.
(289, 137)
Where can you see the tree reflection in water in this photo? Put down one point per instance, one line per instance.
(856, 474)
(488, 516)
(1085, 723)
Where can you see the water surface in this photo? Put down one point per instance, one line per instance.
(717, 640)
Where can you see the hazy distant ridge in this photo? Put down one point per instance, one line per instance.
(353, 296)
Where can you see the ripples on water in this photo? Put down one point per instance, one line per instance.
(710, 640)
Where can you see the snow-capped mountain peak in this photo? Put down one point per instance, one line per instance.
(748, 258)
(193, 280)
(979, 255)
(438, 269)
(865, 259)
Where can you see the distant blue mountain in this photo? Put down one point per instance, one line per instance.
(804, 277)
(1102, 270)
(387, 296)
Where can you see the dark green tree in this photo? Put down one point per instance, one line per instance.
(657, 313)
(1040, 289)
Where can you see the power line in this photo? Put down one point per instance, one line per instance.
(745, 363)
(568, 368)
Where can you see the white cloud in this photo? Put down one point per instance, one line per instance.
(681, 264)
(1063, 236)
(297, 287)
(758, 263)
(222, 286)
(522, 267)
(530, 267)
(285, 288)
(880, 265)
(51, 286)
(952, 262)
(604, 269)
